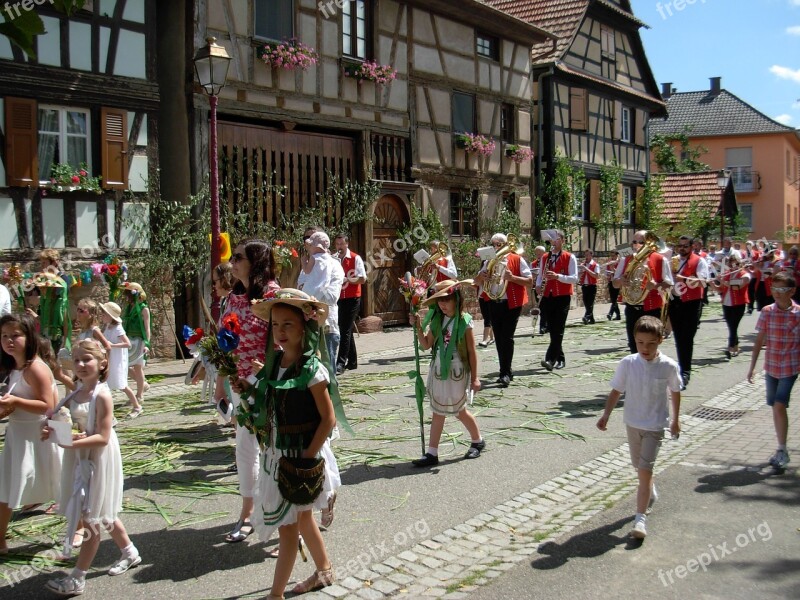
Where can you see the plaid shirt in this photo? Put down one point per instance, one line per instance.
(782, 327)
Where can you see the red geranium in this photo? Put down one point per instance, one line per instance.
(76, 179)
(231, 322)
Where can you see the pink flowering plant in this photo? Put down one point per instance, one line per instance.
(519, 154)
(475, 143)
(288, 54)
(370, 71)
(66, 178)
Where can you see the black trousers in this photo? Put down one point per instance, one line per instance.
(733, 314)
(613, 294)
(762, 299)
(589, 293)
(504, 326)
(685, 317)
(751, 294)
(486, 312)
(542, 314)
(348, 313)
(633, 314)
(556, 308)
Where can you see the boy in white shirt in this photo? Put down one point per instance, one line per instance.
(645, 378)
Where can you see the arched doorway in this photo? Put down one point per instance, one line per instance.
(388, 264)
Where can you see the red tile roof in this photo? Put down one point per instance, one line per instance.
(680, 189)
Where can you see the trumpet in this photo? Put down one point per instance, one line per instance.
(428, 270)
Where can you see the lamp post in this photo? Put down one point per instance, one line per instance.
(211, 65)
(723, 178)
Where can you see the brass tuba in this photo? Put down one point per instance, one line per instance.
(428, 270)
(638, 273)
(495, 285)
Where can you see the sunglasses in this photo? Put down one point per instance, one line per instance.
(782, 290)
(237, 257)
(82, 310)
(637, 242)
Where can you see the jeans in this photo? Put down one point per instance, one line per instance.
(332, 344)
(779, 389)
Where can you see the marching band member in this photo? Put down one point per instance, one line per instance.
(538, 252)
(613, 293)
(445, 267)
(764, 269)
(588, 273)
(733, 288)
(557, 276)
(355, 275)
(750, 256)
(660, 279)
(484, 302)
(689, 272)
(506, 310)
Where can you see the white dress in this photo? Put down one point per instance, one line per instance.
(117, 358)
(91, 478)
(271, 510)
(449, 396)
(30, 469)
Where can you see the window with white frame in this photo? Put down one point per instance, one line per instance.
(354, 29)
(581, 201)
(487, 46)
(273, 19)
(625, 132)
(628, 205)
(63, 138)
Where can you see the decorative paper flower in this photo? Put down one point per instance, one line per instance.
(231, 322)
(310, 312)
(227, 340)
(97, 268)
(113, 270)
(415, 293)
(187, 332)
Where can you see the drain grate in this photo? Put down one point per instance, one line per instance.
(718, 414)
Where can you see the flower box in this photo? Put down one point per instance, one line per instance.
(289, 54)
(475, 143)
(370, 71)
(66, 178)
(519, 154)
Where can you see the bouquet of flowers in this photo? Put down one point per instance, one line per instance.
(216, 349)
(289, 54)
(283, 256)
(370, 71)
(113, 273)
(414, 290)
(12, 279)
(476, 143)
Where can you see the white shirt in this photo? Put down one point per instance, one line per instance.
(325, 284)
(572, 272)
(646, 384)
(702, 272)
(5, 301)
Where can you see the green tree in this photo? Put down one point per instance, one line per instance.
(555, 208)
(610, 210)
(687, 160)
(20, 26)
(698, 220)
(650, 208)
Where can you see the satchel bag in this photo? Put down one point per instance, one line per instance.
(300, 480)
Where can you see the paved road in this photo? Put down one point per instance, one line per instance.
(544, 511)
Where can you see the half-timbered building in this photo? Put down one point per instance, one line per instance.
(593, 93)
(461, 68)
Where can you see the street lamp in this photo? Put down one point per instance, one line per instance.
(211, 64)
(723, 178)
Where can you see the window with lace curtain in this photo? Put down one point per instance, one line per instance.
(64, 135)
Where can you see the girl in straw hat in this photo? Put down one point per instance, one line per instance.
(454, 369)
(118, 348)
(292, 414)
(136, 323)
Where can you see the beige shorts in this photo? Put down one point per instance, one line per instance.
(644, 446)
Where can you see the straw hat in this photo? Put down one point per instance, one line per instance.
(137, 289)
(446, 288)
(48, 280)
(311, 307)
(113, 310)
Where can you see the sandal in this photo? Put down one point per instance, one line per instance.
(66, 586)
(327, 513)
(240, 532)
(317, 581)
(78, 539)
(135, 413)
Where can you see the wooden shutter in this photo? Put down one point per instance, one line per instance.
(577, 109)
(22, 142)
(617, 118)
(114, 148)
(639, 122)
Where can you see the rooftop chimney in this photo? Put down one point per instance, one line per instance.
(666, 90)
(716, 83)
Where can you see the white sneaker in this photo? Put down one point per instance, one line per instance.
(639, 530)
(653, 500)
(123, 564)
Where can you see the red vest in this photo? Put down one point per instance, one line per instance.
(655, 262)
(349, 289)
(691, 290)
(738, 297)
(561, 266)
(442, 262)
(517, 294)
(587, 279)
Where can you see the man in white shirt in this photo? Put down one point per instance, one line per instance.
(5, 301)
(322, 276)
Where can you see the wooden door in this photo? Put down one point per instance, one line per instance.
(389, 265)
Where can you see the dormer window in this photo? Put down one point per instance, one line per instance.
(607, 44)
(487, 46)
